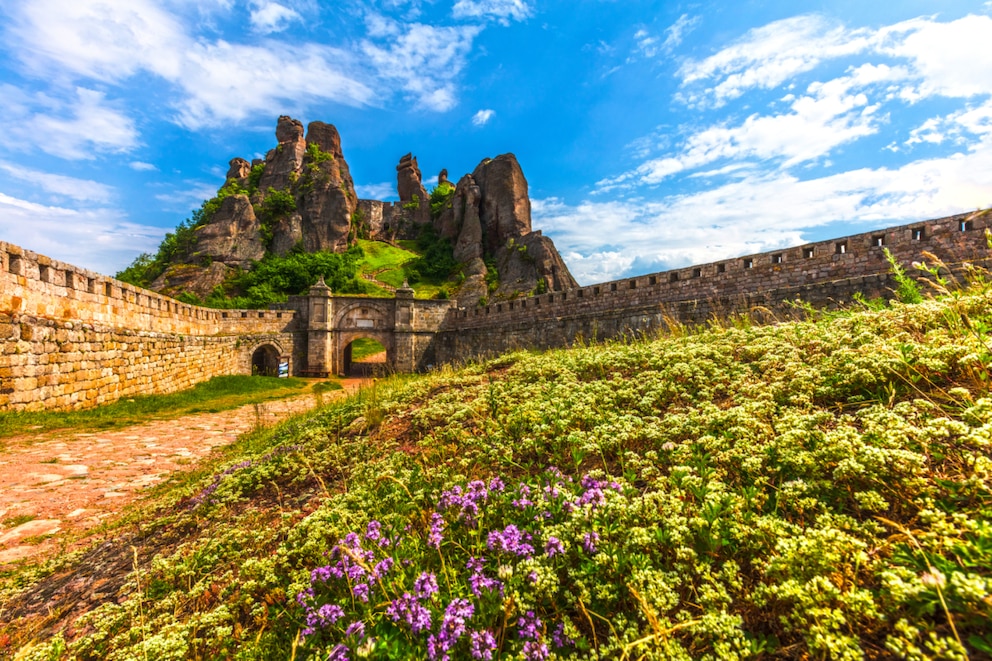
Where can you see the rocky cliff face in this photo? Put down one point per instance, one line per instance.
(301, 195)
(488, 220)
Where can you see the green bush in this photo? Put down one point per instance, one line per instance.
(437, 259)
(440, 198)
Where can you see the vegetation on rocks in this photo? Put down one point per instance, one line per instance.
(818, 489)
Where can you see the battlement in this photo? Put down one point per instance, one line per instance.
(39, 286)
(954, 239)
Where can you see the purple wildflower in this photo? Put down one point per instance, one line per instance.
(330, 613)
(589, 542)
(559, 639)
(496, 485)
(356, 628)
(382, 568)
(321, 574)
(408, 609)
(362, 592)
(510, 540)
(529, 626)
(352, 541)
(536, 651)
(373, 531)
(435, 536)
(483, 643)
(339, 653)
(452, 628)
(425, 586)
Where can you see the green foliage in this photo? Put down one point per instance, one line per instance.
(413, 204)
(179, 244)
(276, 205)
(255, 177)
(436, 261)
(316, 156)
(907, 291)
(541, 287)
(219, 393)
(806, 490)
(274, 278)
(364, 347)
(492, 276)
(440, 198)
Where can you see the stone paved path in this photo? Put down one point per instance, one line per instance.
(70, 482)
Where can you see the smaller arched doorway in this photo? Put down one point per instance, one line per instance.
(365, 357)
(265, 361)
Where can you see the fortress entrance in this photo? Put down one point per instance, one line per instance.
(265, 361)
(365, 357)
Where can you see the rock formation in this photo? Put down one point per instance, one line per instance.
(286, 158)
(408, 180)
(489, 220)
(301, 195)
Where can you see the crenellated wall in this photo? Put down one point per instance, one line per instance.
(824, 274)
(72, 338)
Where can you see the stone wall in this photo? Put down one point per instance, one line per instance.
(824, 274)
(386, 221)
(71, 338)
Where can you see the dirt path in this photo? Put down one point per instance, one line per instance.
(70, 482)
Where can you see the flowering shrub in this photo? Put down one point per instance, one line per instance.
(812, 490)
(505, 557)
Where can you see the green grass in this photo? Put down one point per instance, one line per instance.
(380, 255)
(14, 521)
(818, 489)
(364, 347)
(217, 394)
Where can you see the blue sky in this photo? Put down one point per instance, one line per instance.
(653, 134)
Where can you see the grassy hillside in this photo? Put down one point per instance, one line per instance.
(807, 490)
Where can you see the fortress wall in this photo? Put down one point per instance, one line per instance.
(824, 274)
(39, 286)
(71, 338)
(54, 364)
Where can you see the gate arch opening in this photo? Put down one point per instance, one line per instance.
(365, 357)
(265, 361)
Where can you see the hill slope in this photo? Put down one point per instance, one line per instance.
(807, 490)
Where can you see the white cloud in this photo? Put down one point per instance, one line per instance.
(768, 56)
(188, 198)
(947, 58)
(106, 40)
(227, 81)
(141, 166)
(383, 191)
(952, 59)
(678, 30)
(424, 61)
(482, 117)
(758, 212)
(502, 10)
(75, 127)
(82, 190)
(829, 115)
(268, 17)
(218, 81)
(101, 239)
(647, 44)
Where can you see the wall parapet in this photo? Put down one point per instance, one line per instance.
(955, 239)
(37, 285)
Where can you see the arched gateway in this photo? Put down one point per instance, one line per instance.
(324, 327)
